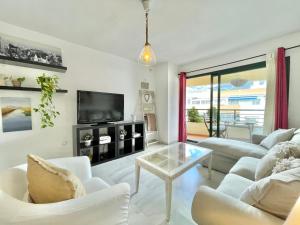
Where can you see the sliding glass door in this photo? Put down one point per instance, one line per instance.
(198, 104)
(242, 97)
(228, 103)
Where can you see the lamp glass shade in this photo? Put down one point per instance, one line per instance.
(147, 56)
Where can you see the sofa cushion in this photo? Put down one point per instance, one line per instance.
(279, 151)
(48, 183)
(277, 136)
(232, 148)
(95, 184)
(245, 167)
(296, 137)
(234, 185)
(275, 194)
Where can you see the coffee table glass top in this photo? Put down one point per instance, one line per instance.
(173, 157)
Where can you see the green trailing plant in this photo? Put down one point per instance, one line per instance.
(194, 116)
(46, 108)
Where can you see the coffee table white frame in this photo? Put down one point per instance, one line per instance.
(169, 176)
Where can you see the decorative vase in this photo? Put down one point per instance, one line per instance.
(16, 83)
(87, 143)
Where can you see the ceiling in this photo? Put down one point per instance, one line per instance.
(181, 31)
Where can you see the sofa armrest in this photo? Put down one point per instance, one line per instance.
(109, 206)
(257, 138)
(211, 207)
(80, 166)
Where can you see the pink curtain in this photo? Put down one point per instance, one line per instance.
(281, 99)
(182, 108)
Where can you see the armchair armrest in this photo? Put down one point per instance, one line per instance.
(80, 166)
(257, 138)
(211, 207)
(105, 207)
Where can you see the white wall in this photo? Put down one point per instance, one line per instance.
(87, 70)
(167, 101)
(161, 80)
(173, 102)
(257, 49)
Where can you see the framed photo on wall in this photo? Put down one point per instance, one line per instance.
(16, 114)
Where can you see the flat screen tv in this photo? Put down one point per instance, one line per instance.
(99, 107)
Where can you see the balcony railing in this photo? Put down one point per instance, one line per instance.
(255, 116)
(250, 120)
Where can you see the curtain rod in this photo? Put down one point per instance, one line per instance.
(241, 60)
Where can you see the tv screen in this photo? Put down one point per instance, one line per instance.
(99, 107)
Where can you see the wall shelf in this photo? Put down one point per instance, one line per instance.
(35, 65)
(28, 89)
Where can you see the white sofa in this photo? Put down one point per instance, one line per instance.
(227, 152)
(103, 204)
(223, 207)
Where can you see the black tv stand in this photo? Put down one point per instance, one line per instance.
(97, 124)
(133, 142)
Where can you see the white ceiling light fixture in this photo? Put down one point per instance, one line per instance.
(147, 56)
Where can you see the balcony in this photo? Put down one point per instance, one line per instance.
(238, 124)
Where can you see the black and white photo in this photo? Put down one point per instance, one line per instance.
(21, 49)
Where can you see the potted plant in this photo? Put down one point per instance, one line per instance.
(194, 116)
(123, 133)
(46, 108)
(18, 81)
(87, 139)
(195, 123)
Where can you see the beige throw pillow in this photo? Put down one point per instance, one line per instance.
(280, 151)
(275, 194)
(48, 183)
(277, 136)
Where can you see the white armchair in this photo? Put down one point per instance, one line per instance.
(103, 205)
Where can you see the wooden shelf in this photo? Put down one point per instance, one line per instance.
(29, 64)
(11, 88)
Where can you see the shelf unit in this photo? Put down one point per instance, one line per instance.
(11, 88)
(35, 65)
(117, 148)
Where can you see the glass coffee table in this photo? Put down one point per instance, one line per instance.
(170, 162)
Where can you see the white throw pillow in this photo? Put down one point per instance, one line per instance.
(275, 194)
(280, 151)
(277, 136)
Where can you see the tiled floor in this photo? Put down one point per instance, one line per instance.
(148, 206)
(195, 137)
